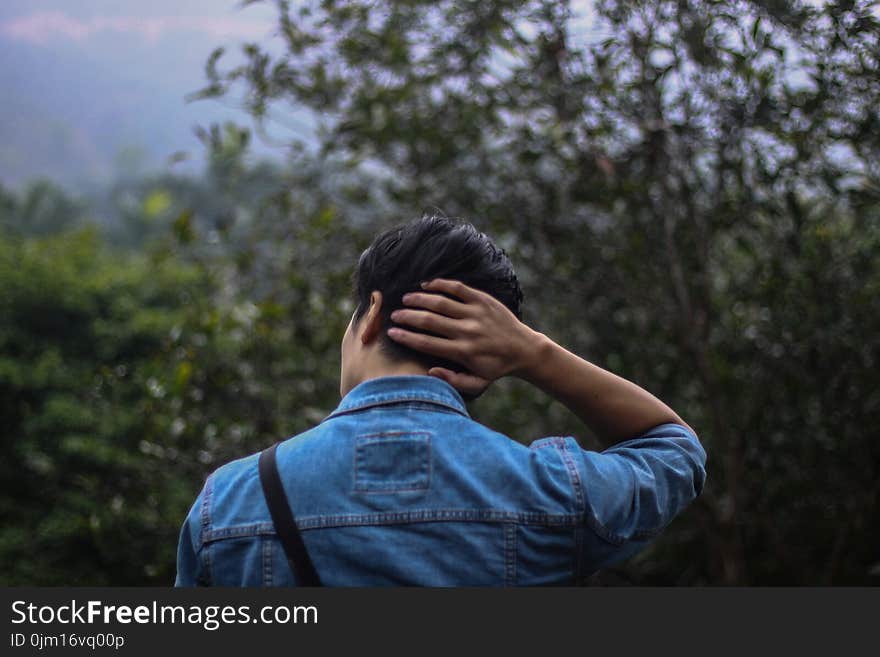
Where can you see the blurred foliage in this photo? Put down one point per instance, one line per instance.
(85, 342)
(690, 192)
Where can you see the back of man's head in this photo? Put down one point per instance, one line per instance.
(433, 246)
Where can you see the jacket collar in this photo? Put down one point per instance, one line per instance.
(395, 389)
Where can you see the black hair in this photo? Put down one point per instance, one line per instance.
(433, 246)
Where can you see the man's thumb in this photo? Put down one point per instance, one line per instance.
(442, 373)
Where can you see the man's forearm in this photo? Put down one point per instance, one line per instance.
(612, 407)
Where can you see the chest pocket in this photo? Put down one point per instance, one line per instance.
(392, 462)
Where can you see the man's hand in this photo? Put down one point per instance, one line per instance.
(478, 332)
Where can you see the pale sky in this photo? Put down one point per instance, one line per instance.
(43, 21)
(87, 82)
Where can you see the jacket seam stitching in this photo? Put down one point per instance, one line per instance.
(445, 403)
(267, 560)
(205, 529)
(576, 483)
(573, 475)
(510, 553)
(311, 523)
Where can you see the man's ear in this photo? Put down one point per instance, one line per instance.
(372, 319)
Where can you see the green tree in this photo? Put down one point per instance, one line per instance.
(42, 208)
(90, 470)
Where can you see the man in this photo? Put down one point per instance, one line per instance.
(399, 486)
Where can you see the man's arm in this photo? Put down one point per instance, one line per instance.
(481, 334)
(612, 407)
(637, 486)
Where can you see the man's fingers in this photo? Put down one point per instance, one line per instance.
(426, 320)
(436, 302)
(455, 288)
(427, 343)
(466, 383)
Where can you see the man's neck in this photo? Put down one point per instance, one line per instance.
(402, 368)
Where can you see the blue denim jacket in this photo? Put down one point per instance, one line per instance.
(399, 486)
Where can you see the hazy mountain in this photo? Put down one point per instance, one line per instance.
(95, 86)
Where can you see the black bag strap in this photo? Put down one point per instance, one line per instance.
(282, 517)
